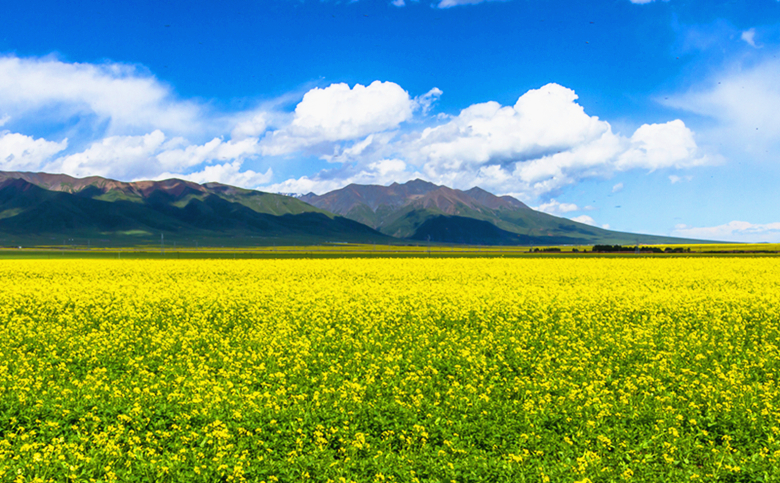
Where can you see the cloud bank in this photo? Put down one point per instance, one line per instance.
(536, 147)
(23, 153)
(377, 133)
(125, 97)
(742, 231)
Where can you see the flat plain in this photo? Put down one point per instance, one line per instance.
(404, 369)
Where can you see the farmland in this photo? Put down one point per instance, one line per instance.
(404, 369)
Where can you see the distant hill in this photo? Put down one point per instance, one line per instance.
(40, 207)
(419, 210)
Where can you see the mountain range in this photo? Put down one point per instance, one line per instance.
(42, 208)
(419, 210)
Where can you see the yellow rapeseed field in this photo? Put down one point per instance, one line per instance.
(562, 370)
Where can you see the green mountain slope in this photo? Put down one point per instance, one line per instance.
(41, 208)
(419, 210)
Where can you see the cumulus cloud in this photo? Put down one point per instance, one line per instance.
(111, 156)
(739, 231)
(541, 144)
(340, 113)
(542, 122)
(146, 156)
(24, 153)
(554, 207)
(124, 96)
(617, 188)
(643, 2)
(227, 173)
(374, 133)
(655, 146)
(214, 150)
(4, 119)
(584, 219)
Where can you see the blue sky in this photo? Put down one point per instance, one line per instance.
(655, 117)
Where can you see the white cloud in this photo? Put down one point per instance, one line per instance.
(382, 172)
(542, 122)
(340, 113)
(128, 110)
(24, 153)
(455, 3)
(744, 100)
(426, 101)
(137, 157)
(555, 207)
(740, 231)
(113, 156)
(584, 219)
(618, 187)
(253, 127)
(541, 144)
(643, 2)
(749, 36)
(124, 96)
(214, 150)
(668, 145)
(398, 3)
(227, 173)
(674, 179)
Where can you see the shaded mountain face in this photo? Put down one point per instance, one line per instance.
(41, 206)
(419, 210)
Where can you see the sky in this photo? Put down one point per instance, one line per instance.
(647, 116)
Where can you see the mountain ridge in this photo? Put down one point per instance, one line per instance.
(39, 207)
(420, 210)
(45, 206)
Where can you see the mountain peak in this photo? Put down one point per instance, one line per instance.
(419, 208)
(495, 202)
(420, 183)
(381, 206)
